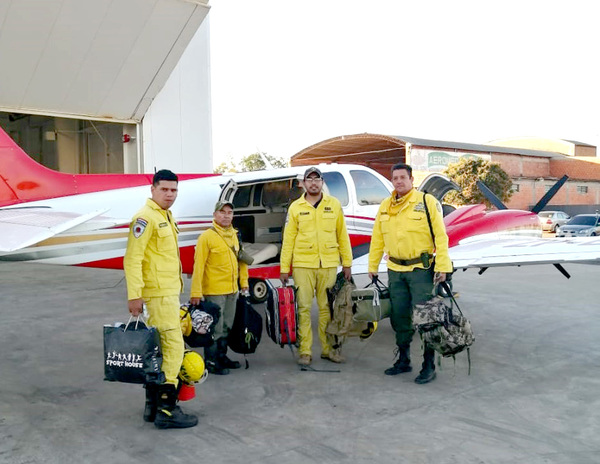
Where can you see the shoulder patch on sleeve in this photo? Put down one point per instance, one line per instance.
(139, 226)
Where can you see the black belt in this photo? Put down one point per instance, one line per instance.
(423, 259)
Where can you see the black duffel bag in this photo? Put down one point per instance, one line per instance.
(246, 331)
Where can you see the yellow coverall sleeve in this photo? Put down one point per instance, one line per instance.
(376, 247)
(289, 239)
(243, 274)
(200, 257)
(343, 240)
(242, 269)
(134, 257)
(442, 257)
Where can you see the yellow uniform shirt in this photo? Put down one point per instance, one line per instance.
(401, 230)
(315, 237)
(151, 264)
(216, 267)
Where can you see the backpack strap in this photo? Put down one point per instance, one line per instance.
(448, 290)
(230, 247)
(428, 217)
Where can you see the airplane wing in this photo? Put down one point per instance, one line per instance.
(488, 252)
(485, 253)
(23, 227)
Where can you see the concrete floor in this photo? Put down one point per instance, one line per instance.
(532, 396)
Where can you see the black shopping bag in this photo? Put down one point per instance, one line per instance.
(132, 353)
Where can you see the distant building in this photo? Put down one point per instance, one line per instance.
(533, 169)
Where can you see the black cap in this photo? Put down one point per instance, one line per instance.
(312, 170)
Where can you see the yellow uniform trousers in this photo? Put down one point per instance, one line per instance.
(164, 315)
(310, 281)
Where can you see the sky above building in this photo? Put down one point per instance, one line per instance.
(289, 74)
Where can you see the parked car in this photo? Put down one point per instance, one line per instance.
(582, 225)
(553, 220)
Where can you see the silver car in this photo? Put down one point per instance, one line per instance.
(582, 225)
(552, 220)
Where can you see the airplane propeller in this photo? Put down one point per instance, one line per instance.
(539, 206)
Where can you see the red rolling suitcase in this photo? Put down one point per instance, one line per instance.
(282, 315)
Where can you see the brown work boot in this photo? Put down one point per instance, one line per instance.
(305, 360)
(333, 356)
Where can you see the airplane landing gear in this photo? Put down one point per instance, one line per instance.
(258, 290)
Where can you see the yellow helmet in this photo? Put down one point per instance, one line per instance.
(192, 368)
(370, 330)
(185, 320)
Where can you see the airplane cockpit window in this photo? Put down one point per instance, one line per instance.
(369, 189)
(336, 185)
(242, 197)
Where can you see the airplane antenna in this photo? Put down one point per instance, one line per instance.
(549, 194)
(268, 164)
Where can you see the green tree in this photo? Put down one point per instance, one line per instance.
(468, 171)
(256, 162)
(253, 162)
(226, 166)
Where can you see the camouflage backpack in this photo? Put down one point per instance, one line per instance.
(443, 325)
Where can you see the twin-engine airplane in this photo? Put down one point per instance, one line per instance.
(82, 220)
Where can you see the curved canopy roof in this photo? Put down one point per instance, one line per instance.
(91, 59)
(380, 152)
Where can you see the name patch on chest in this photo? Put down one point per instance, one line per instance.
(163, 224)
(304, 213)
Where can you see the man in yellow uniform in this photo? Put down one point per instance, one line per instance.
(402, 230)
(315, 243)
(215, 277)
(153, 273)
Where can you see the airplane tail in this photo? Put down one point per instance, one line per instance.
(22, 179)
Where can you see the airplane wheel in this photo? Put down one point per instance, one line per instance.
(258, 291)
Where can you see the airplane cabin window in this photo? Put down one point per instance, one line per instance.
(369, 189)
(276, 193)
(241, 198)
(337, 186)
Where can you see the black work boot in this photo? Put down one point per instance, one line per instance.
(212, 360)
(151, 402)
(224, 361)
(169, 415)
(403, 362)
(427, 373)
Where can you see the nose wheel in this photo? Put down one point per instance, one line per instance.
(258, 290)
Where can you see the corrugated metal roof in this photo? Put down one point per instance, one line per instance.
(478, 147)
(97, 59)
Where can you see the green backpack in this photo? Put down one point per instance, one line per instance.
(342, 310)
